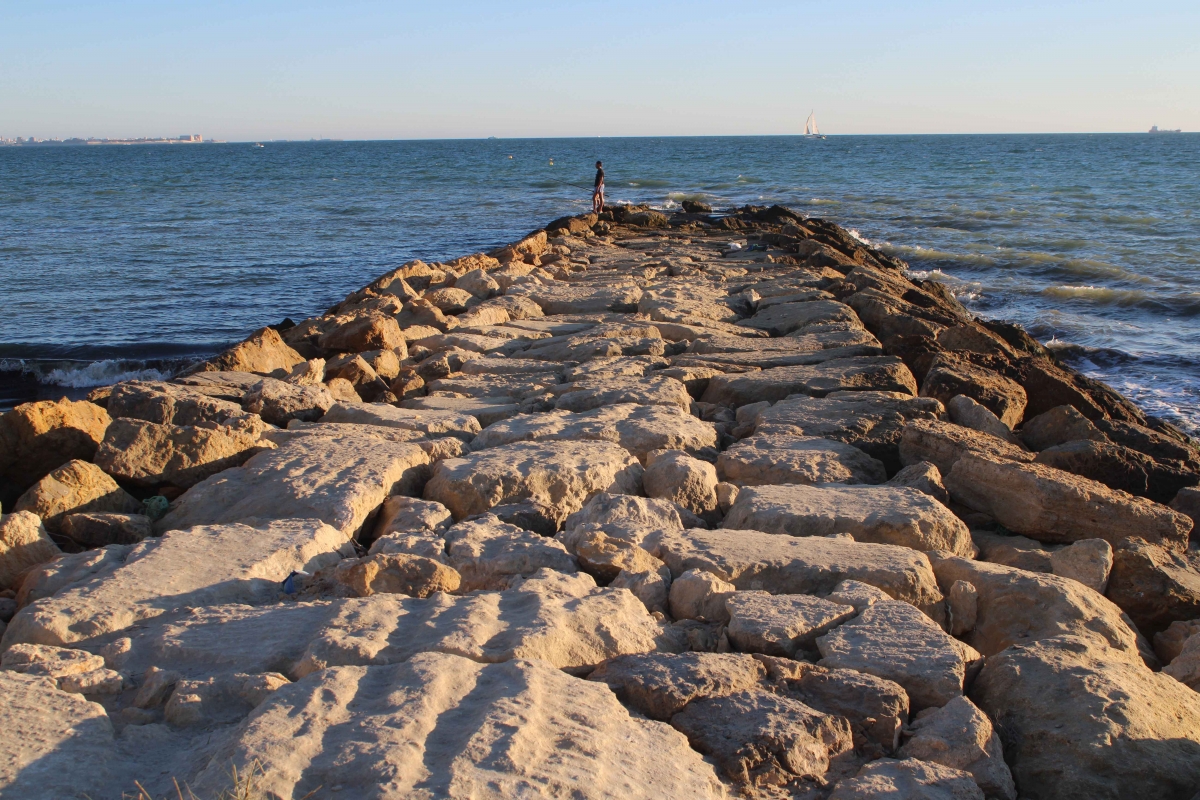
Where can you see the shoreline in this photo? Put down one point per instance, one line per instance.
(735, 473)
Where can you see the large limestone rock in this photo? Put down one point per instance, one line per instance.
(781, 319)
(1059, 425)
(443, 726)
(1050, 505)
(689, 482)
(175, 404)
(1064, 607)
(1154, 585)
(660, 685)
(798, 565)
(430, 423)
(657, 390)
(871, 421)
(961, 736)
(489, 554)
(896, 641)
(949, 376)
(74, 488)
(878, 373)
(240, 563)
(1080, 721)
(35, 438)
(264, 352)
(556, 473)
(23, 545)
(279, 403)
(100, 530)
(397, 573)
(781, 458)
(909, 779)
(149, 454)
(878, 514)
(339, 480)
(638, 428)
(371, 331)
(780, 624)
(944, 443)
(55, 744)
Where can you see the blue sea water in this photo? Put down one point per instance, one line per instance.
(125, 261)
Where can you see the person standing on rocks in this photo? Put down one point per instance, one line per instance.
(598, 192)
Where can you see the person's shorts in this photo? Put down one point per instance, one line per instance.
(599, 189)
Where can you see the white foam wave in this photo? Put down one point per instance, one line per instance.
(85, 375)
(859, 237)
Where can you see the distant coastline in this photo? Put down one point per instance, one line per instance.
(192, 138)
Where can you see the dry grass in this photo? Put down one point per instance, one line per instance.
(244, 785)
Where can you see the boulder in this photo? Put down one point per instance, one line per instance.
(208, 565)
(686, 481)
(443, 726)
(74, 671)
(965, 411)
(1187, 502)
(878, 373)
(781, 624)
(949, 376)
(490, 554)
(895, 641)
(1064, 608)
(1088, 561)
(1168, 644)
(871, 421)
(652, 391)
(944, 443)
(365, 332)
(561, 298)
(1154, 584)
(1050, 505)
(605, 557)
(397, 573)
(924, 477)
(1058, 425)
(660, 685)
(100, 530)
(877, 514)
(51, 576)
(339, 480)
(1079, 721)
(430, 423)
(700, 596)
(264, 352)
(401, 514)
(638, 428)
(24, 544)
(781, 319)
(279, 403)
(909, 779)
(74, 488)
(175, 404)
(477, 283)
(961, 736)
(557, 473)
(798, 565)
(1185, 667)
(36, 438)
(1117, 467)
(764, 739)
(148, 454)
(782, 458)
(625, 516)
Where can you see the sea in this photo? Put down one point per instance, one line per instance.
(121, 262)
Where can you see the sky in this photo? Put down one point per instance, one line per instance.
(398, 70)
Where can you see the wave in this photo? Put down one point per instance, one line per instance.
(90, 374)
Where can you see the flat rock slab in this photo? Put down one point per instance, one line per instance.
(560, 474)
(339, 480)
(55, 744)
(650, 391)
(896, 641)
(148, 454)
(564, 298)
(209, 565)
(871, 421)
(430, 423)
(1050, 505)
(780, 624)
(909, 779)
(878, 514)
(1078, 720)
(638, 428)
(443, 726)
(660, 685)
(485, 409)
(782, 319)
(489, 553)
(782, 458)
(797, 565)
(944, 443)
(878, 373)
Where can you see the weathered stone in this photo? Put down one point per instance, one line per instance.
(1080, 721)
(36, 438)
(175, 404)
(1050, 505)
(782, 458)
(625, 516)
(279, 403)
(1153, 584)
(1187, 502)
(701, 596)
(674, 475)
(339, 480)
(857, 594)
(882, 515)
(1168, 644)
(99, 530)
(879, 373)
(401, 514)
(149, 454)
(962, 605)
(444, 726)
(604, 557)
(653, 391)
(397, 573)
(1088, 561)
(264, 352)
(490, 554)
(366, 332)
(964, 411)
(798, 565)
(959, 735)
(74, 671)
(575, 299)
(638, 428)
(201, 566)
(74, 488)
(23, 545)
(944, 443)
(924, 477)
(781, 624)
(763, 739)
(660, 685)
(950, 376)
(557, 473)
(430, 423)
(909, 779)
(1056, 426)
(782, 319)
(896, 641)
(1185, 667)
(1117, 467)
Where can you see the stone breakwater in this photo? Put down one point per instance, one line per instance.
(638, 506)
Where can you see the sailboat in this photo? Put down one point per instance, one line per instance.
(810, 127)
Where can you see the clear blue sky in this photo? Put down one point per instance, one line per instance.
(383, 70)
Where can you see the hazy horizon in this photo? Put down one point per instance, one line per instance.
(379, 71)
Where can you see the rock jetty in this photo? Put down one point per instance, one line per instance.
(639, 506)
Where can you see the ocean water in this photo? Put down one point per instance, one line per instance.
(120, 262)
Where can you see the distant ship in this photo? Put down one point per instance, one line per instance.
(1155, 129)
(810, 127)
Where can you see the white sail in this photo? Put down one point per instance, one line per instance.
(810, 126)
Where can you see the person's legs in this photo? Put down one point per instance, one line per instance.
(597, 201)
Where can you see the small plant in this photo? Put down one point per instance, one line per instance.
(246, 785)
